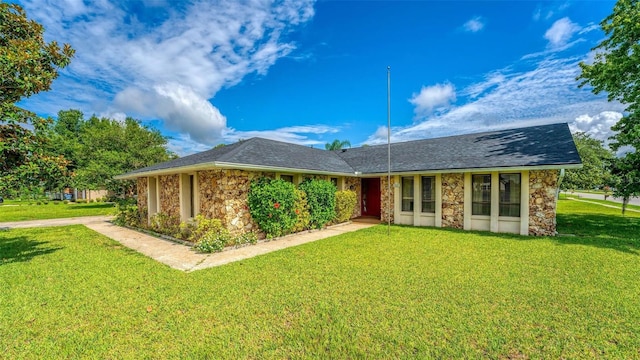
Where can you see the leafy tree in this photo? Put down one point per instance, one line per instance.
(616, 71)
(28, 65)
(625, 178)
(337, 145)
(595, 158)
(100, 148)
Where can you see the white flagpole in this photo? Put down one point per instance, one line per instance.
(388, 150)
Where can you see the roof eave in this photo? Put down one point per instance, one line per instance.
(227, 165)
(486, 169)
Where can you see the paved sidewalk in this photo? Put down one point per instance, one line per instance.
(81, 220)
(183, 257)
(632, 200)
(605, 205)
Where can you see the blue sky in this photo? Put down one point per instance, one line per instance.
(209, 72)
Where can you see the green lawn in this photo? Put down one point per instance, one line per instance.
(15, 211)
(422, 293)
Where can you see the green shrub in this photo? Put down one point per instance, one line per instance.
(345, 204)
(244, 239)
(215, 238)
(56, 202)
(302, 211)
(165, 224)
(272, 206)
(38, 203)
(321, 197)
(81, 201)
(129, 216)
(65, 201)
(214, 241)
(201, 226)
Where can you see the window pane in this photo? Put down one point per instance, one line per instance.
(481, 195)
(510, 195)
(428, 194)
(407, 194)
(287, 178)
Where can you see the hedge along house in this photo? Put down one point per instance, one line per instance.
(500, 181)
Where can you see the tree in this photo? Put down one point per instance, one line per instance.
(595, 158)
(337, 145)
(28, 65)
(616, 71)
(625, 178)
(100, 148)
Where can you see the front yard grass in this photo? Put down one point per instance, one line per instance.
(422, 293)
(53, 210)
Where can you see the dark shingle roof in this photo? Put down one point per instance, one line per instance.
(531, 146)
(261, 152)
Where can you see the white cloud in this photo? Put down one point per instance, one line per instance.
(547, 12)
(474, 25)
(598, 125)
(561, 32)
(506, 98)
(180, 108)
(430, 98)
(166, 67)
(291, 134)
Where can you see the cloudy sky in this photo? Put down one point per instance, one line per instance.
(309, 72)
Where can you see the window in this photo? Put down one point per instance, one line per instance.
(481, 195)
(334, 181)
(428, 194)
(287, 178)
(407, 194)
(510, 195)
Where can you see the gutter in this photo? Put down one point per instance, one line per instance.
(226, 165)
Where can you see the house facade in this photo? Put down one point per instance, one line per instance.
(502, 181)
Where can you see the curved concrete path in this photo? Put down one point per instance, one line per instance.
(184, 257)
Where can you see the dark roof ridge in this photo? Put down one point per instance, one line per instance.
(237, 146)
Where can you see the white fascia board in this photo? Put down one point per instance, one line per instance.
(477, 170)
(168, 171)
(225, 165)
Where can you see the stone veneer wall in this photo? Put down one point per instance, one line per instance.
(542, 202)
(223, 195)
(453, 200)
(355, 184)
(143, 193)
(170, 194)
(384, 195)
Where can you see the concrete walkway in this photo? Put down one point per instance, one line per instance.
(81, 220)
(183, 257)
(605, 205)
(632, 200)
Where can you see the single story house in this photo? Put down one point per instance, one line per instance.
(500, 181)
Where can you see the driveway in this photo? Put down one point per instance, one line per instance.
(632, 201)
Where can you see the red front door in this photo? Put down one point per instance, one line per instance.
(370, 203)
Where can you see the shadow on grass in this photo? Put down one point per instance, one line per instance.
(21, 248)
(603, 231)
